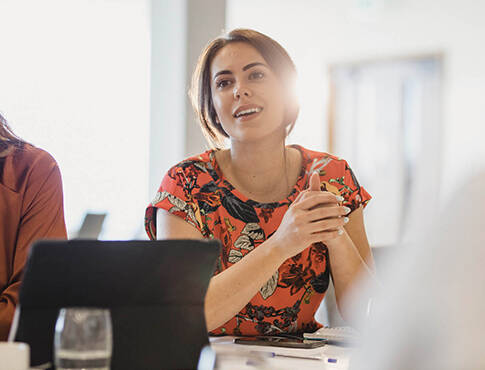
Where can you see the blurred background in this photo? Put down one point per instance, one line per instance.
(395, 87)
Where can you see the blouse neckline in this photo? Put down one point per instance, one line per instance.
(296, 189)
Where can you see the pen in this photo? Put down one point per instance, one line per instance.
(274, 354)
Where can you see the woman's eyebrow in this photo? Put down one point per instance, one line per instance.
(251, 65)
(223, 72)
(245, 68)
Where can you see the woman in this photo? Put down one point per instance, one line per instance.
(31, 208)
(278, 210)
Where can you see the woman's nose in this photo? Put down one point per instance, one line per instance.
(241, 90)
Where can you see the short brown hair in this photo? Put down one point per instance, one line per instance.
(272, 52)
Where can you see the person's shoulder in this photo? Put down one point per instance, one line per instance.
(29, 156)
(202, 162)
(314, 154)
(316, 160)
(187, 177)
(193, 172)
(27, 164)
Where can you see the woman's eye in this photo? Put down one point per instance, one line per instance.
(256, 75)
(222, 83)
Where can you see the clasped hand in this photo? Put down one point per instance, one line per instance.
(315, 216)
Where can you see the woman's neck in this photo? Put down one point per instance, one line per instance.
(263, 172)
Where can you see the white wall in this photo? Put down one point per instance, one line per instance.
(74, 80)
(168, 97)
(180, 30)
(318, 33)
(205, 20)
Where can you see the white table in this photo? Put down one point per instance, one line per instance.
(237, 356)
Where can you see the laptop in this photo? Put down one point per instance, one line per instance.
(155, 291)
(91, 226)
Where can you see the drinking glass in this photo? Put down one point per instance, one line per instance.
(83, 339)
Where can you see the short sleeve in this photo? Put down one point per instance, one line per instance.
(175, 195)
(354, 194)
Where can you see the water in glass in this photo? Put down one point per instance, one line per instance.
(83, 339)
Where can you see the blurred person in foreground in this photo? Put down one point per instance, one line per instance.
(31, 208)
(288, 218)
(430, 315)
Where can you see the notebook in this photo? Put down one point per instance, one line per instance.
(155, 291)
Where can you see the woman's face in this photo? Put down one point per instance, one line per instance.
(248, 97)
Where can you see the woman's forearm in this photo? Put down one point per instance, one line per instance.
(348, 270)
(232, 289)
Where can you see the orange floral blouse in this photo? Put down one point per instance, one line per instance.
(197, 191)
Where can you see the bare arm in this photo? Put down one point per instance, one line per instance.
(230, 290)
(301, 226)
(351, 261)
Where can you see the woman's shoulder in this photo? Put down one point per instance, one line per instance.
(201, 160)
(336, 176)
(195, 171)
(26, 164)
(317, 160)
(31, 155)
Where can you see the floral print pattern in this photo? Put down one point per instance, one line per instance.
(197, 191)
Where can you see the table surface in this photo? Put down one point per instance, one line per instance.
(237, 356)
(234, 356)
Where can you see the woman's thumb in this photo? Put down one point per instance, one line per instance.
(314, 183)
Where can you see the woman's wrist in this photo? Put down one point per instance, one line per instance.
(274, 251)
(338, 242)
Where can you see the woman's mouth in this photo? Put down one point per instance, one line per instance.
(248, 113)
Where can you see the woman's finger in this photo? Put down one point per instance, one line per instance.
(321, 213)
(328, 224)
(313, 198)
(313, 185)
(324, 236)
